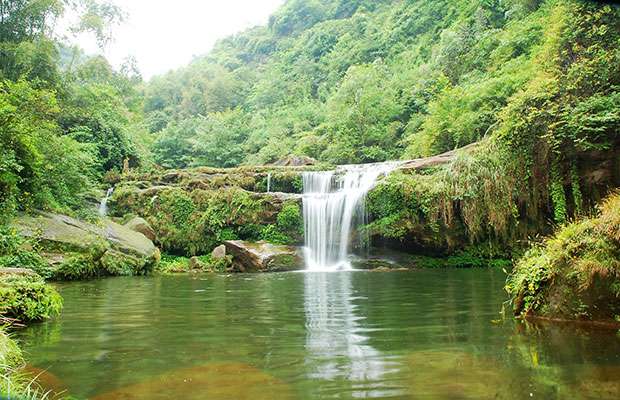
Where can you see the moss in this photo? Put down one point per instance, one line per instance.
(281, 181)
(576, 273)
(172, 264)
(28, 298)
(96, 263)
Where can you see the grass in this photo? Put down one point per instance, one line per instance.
(13, 383)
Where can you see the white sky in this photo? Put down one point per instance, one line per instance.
(164, 35)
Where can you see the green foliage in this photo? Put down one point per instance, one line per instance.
(575, 273)
(28, 298)
(288, 228)
(16, 252)
(38, 168)
(463, 259)
(175, 264)
(558, 196)
(10, 354)
(64, 117)
(195, 222)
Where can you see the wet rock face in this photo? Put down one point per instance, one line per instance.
(263, 257)
(109, 250)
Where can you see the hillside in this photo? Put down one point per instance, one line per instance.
(351, 82)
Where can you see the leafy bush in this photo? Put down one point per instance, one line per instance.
(28, 298)
(16, 252)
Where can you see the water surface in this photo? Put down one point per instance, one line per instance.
(432, 334)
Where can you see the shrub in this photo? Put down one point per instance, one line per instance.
(28, 298)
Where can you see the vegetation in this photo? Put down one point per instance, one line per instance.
(574, 274)
(391, 79)
(65, 117)
(178, 264)
(193, 222)
(28, 298)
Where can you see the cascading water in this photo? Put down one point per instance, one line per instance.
(103, 206)
(333, 204)
(269, 182)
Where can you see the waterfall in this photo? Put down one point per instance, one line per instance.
(269, 182)
(103, 206)
(333, 205)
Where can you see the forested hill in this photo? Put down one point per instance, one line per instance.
(355, 81)
(345, 81)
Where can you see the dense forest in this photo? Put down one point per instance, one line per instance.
(343, 82)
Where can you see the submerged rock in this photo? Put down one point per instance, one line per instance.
(77, 249)
(138, 224)
(210, 381)
(263, 257)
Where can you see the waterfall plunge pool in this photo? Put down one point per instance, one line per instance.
(425, 334)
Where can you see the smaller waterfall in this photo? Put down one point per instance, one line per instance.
(103, 206)
(269, 182)
(333, 205)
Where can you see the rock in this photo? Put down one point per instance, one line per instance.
(440, 159)
(219, 252)
(263, 257)
(112, 249)
(295, 161)
(138, 224)
(17, 272)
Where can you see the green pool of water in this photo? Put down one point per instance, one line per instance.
(429, 334)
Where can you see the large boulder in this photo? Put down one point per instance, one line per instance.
(79, 249)
(263, 257)
(138, 224)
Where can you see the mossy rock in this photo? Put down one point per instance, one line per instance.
(575, 274)
(75, 249)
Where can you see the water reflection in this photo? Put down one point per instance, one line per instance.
(336, 342)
